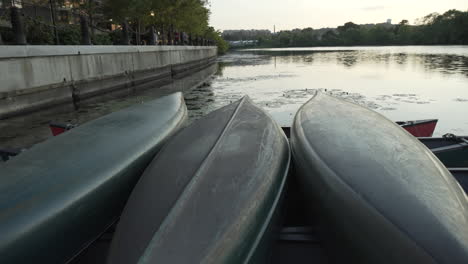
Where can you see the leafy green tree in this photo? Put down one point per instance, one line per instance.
(189, 16)
(215, 35)
(330, 38)
(348, 26)
(403, 33)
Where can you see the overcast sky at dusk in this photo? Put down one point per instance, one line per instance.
(290, 14)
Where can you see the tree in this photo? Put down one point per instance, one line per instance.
(348, 26)
(215, 35)
(330, 38)
(448, 28)
(403, 33)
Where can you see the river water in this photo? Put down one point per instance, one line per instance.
(402, 83)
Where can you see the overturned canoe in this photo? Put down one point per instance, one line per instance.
(419, 128)
(60, 195)
(386, 197)
(210, 195)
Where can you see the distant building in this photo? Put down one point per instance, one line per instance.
(387, 24)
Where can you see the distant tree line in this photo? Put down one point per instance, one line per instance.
(450, 28)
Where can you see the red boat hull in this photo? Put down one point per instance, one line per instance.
(58, 129)
(423, 128)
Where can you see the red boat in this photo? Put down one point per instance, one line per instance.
(419, 128)
(57, 128)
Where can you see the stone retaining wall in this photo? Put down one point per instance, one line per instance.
(39, 77)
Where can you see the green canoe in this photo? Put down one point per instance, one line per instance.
(59, 196)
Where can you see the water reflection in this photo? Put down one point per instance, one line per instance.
(446, 64)
(25, 131)
(443, 63)
(347, 59)
(401, 58)
(221, 66)
(403, 83)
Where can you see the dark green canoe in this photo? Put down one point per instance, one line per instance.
(451, 150)
(60, 195)
(384, 196)
(210, 195)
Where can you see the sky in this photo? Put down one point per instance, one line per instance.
(290, 14)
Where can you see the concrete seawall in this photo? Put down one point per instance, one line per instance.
(39, 77)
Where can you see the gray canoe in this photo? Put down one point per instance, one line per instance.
(384, 195)
(210, 195)
(60, 195)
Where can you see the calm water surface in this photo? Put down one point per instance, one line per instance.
(402, 83)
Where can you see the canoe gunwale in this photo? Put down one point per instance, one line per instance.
(455, 146)
(458, 169)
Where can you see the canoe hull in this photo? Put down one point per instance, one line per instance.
(59, 196)
(385, 197)
(420, 128)
(211, 195)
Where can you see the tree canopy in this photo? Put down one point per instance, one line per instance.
(167, 16)
(189, 16)
(184, 15)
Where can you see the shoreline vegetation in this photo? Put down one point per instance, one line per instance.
(109, 22)
(449, 28)
(191, 16)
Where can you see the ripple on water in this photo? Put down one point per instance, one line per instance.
(402, 98)
(300, 96)
(255, 78)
